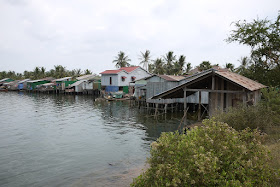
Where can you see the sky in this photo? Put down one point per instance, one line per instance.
(88, 34)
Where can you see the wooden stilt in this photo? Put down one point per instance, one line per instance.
(199, 106)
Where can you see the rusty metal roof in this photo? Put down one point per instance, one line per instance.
(241, 80)
(171, 77)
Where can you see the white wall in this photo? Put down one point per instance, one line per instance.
(105, 79)
(139, 73)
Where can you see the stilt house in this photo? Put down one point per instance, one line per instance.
(226, 89)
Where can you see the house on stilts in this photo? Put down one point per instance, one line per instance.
(224, 88)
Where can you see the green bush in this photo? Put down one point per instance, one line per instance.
(211, 155)
(242, 117)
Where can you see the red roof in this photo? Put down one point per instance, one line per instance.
(111, 71)
(127, 69)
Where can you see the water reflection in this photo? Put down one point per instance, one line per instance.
(51, 140)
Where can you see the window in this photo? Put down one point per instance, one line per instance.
(133, 78)
(110, 80)
(123, 78)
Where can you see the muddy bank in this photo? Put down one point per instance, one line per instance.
(103, 178)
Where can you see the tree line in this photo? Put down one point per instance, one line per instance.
(58, 71)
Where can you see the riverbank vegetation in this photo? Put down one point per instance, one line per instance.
(223, 151)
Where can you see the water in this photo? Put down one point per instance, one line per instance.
(49, 140)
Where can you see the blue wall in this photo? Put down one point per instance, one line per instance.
(20, 86)
(112, 89)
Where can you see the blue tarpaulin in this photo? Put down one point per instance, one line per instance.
(112, 89)
(20, 86)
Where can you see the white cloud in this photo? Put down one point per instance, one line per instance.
(89, 34)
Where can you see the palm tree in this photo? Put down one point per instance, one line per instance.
(121, 60)
(181, 63)
(244, 65)
(169, 59)
(159, 66)
(36, 73)
(60, 71)
(188, 68)
(88, 72)
(43, 72)
(204, 65)
(145, 59)
(230, 66)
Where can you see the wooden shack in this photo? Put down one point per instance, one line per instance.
(11, 86)
(22, 85)
(2, 81)
(32, 85)
(226, 89)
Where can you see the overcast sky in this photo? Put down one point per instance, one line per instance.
(90, 33)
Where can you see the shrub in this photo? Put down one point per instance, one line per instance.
(211, 155)
(242, 117)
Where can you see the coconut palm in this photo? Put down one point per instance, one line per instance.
(245, 61)
(188, 68)
(121, 60)
(169, 59)
(159, 66)
(204, 65)
(36, 72)
(145, 59)
(88, 72)
(230, 66)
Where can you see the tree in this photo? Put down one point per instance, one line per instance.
(230, 66)
(36, 73)
(158, 66)
(145, 59)
(263, 37)
(88, 72)
(204, 65)
(121, 60)
(188, 68)
(179, 65)
(169, 59)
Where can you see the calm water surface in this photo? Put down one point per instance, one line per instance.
(49, 140)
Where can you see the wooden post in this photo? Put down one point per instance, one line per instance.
(185, 105)
(199, 106)
(222, 95)
(165, 108)
(244, 97)
(185, 100)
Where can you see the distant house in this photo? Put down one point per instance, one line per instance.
(118, 80)
(62, 83)
(22, 85)
(2, 81)
(11, 85)
(33, 84)
(85, 84)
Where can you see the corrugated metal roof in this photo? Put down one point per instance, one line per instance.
(76, 83)
(172, 77)
(48, 84)
(111, 71)
(88, 77)
(25, 80)
(129, 69)
(62, 79)
(2, 80)
(241, 80)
